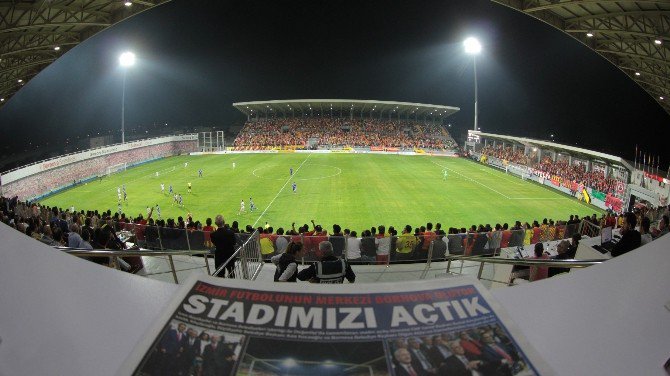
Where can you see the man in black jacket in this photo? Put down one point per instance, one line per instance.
(630, 237)
(224, 240)
(329, 269)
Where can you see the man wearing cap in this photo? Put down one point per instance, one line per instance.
(329, 269)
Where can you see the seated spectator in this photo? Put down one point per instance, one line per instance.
(287, 264)
(329, 269)
(563, 249)
(74, 240)
(645, 235)
(630, 237)
(539, 272)
(662, 227)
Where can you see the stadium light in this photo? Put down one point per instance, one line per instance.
(473, 47)
(127, 59)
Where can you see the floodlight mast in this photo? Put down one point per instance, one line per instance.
(473, 47)
(126, 60)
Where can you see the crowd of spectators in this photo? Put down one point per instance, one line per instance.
(341, 132)
(560, 169)
(53, 179)
(508, 154)
(379, 244)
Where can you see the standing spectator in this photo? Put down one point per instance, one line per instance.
(224, 240)
(353, 254)
(368, 248)
(281, 242)
(383, 243)
(405, 244)
(207, 230)
(337, 239)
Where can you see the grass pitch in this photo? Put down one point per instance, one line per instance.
(356, 191)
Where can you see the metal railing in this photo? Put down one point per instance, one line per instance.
(246, 262)
(424, 250)
(564, 264)
(114, 255)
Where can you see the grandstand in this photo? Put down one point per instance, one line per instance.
(606, 181)
(344, 123)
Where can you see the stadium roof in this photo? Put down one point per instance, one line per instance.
(567, 149)
(345, 106)
(33, 34)
(633, 35)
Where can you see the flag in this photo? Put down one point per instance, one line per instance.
(646, 163)
(635, 160)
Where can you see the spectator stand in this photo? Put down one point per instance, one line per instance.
(50, 176)
(597, 178)
(342, 124)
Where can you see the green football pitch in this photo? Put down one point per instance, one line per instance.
(356, 191)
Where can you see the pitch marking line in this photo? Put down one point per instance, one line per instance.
(339, 171)
(472, 180)
(139, 178)
(505, 176)
(281, 189)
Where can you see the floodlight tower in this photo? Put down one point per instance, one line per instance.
(126, 60)
(473, 47)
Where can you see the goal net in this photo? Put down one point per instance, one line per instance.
(116, 168)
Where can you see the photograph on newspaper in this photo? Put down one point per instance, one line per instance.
(218, 326)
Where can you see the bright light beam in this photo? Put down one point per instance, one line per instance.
(127, 59)
(472, 46)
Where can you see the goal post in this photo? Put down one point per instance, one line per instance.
(116, 168)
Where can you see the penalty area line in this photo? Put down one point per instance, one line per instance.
(281, 189)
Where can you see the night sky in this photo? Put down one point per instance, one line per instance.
(196, 58)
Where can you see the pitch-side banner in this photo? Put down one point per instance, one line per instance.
(229, 327)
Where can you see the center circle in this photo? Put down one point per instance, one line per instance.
(308, 171)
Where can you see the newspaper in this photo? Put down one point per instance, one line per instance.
(218, 326)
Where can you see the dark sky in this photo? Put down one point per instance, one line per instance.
(196, 58)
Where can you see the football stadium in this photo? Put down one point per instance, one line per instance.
(210, 249)
(424, 183)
